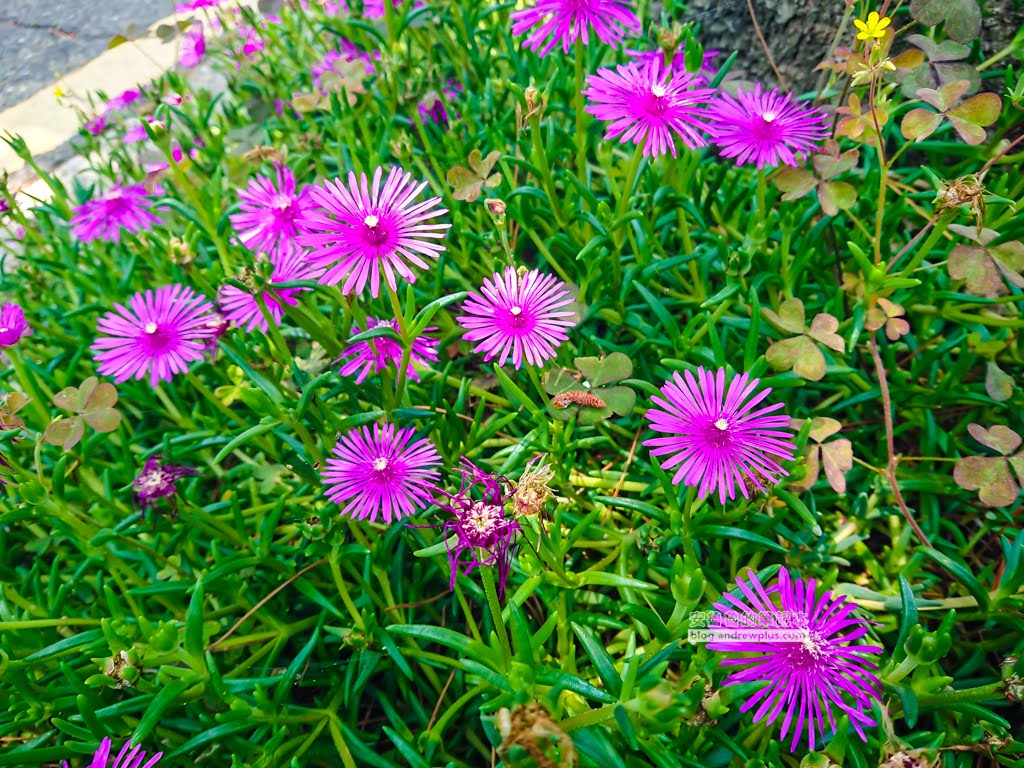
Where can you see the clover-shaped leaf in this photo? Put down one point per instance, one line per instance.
(945, 63)
(469, 182)
(92, 403)
(968, 118)
(984, 267)
(835, 456)
(991, 475)
(998, 383)
(801, 354)
(593, 401)
(858, 123)
(962, 17)
(889, 315)
(833, 195)
(10, 404)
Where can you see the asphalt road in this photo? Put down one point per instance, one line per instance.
(44, 39)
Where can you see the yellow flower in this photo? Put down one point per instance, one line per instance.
(874, 28)
(58, 92)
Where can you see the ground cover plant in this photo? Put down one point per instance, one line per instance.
(470, 384)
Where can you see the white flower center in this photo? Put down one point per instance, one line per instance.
(4, 330)
(658, 89)
(517, 311)
(380, 464)
(281, 203)
(769, 116)
(812, 643)
(150, 328)
(722, 424)
(371, 221)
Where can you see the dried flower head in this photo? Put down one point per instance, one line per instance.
(532, 491)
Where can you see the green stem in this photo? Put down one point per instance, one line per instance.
(581, 137)
(991, 692)
(487, 576)
(762, 193)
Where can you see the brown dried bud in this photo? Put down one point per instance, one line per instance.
(529, 733)
(534, 103)
(565, 399)
(495, 206)
(966, 190)
(532, 490)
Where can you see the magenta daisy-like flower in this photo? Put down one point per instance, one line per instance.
(525, 315)
(121, 208)
(646, 104)
(373, 356)
(13, 325)
(270, 212)
(122, 100)
(803, 646)
(363, 229)
(554, 22)
(241, 307)
(158, 334)
(195, 5)
(157, 481)
(128, 757)
(483, 528)
(193, 46)
(381, 473)
(717, 438)
(765, 128)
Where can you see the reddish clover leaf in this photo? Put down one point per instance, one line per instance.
(469, 182)
(889, 315)
(991, 476)
(92, 403)
(835, 456)
(968, 118)
(598, 373)
(833, 195)
(962, 17)
(801, 354)
(983, 267)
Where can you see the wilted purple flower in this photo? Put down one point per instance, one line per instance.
(566, 21)
(193, 46)
(765, 128)
(645, 104)
(157, 481)
(363, 230)
(13, 325)
(103, 217)
(525, 315)
(715, 438)
(270, 214)
(808, 676)
(705, 75)
(122, 100)
(432, 107)
(242, 309)
(218, 325)
(373, 356)
(381, 473)
(162, 332)
(482, 526)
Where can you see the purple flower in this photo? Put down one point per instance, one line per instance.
(644, 104)
(432, 107)
(218, 325)
(566, 21)
(251, 44)
(765, 128)
(96, 125)
(270, 214)
(195, 5)
(122, 100)
(678, 63)
(363, 230)
(241, 307)
(381, 473)
(156, 481)
(807, 676)
(526, 315)
(125, 759)
(160, 334)
(138, 132)
(482, 526)
(374, 9)
(373, 356)
(193, 46)
(103, 217)
(715, 438)
(13, 325)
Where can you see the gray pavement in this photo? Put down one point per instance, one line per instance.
(44, 39)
